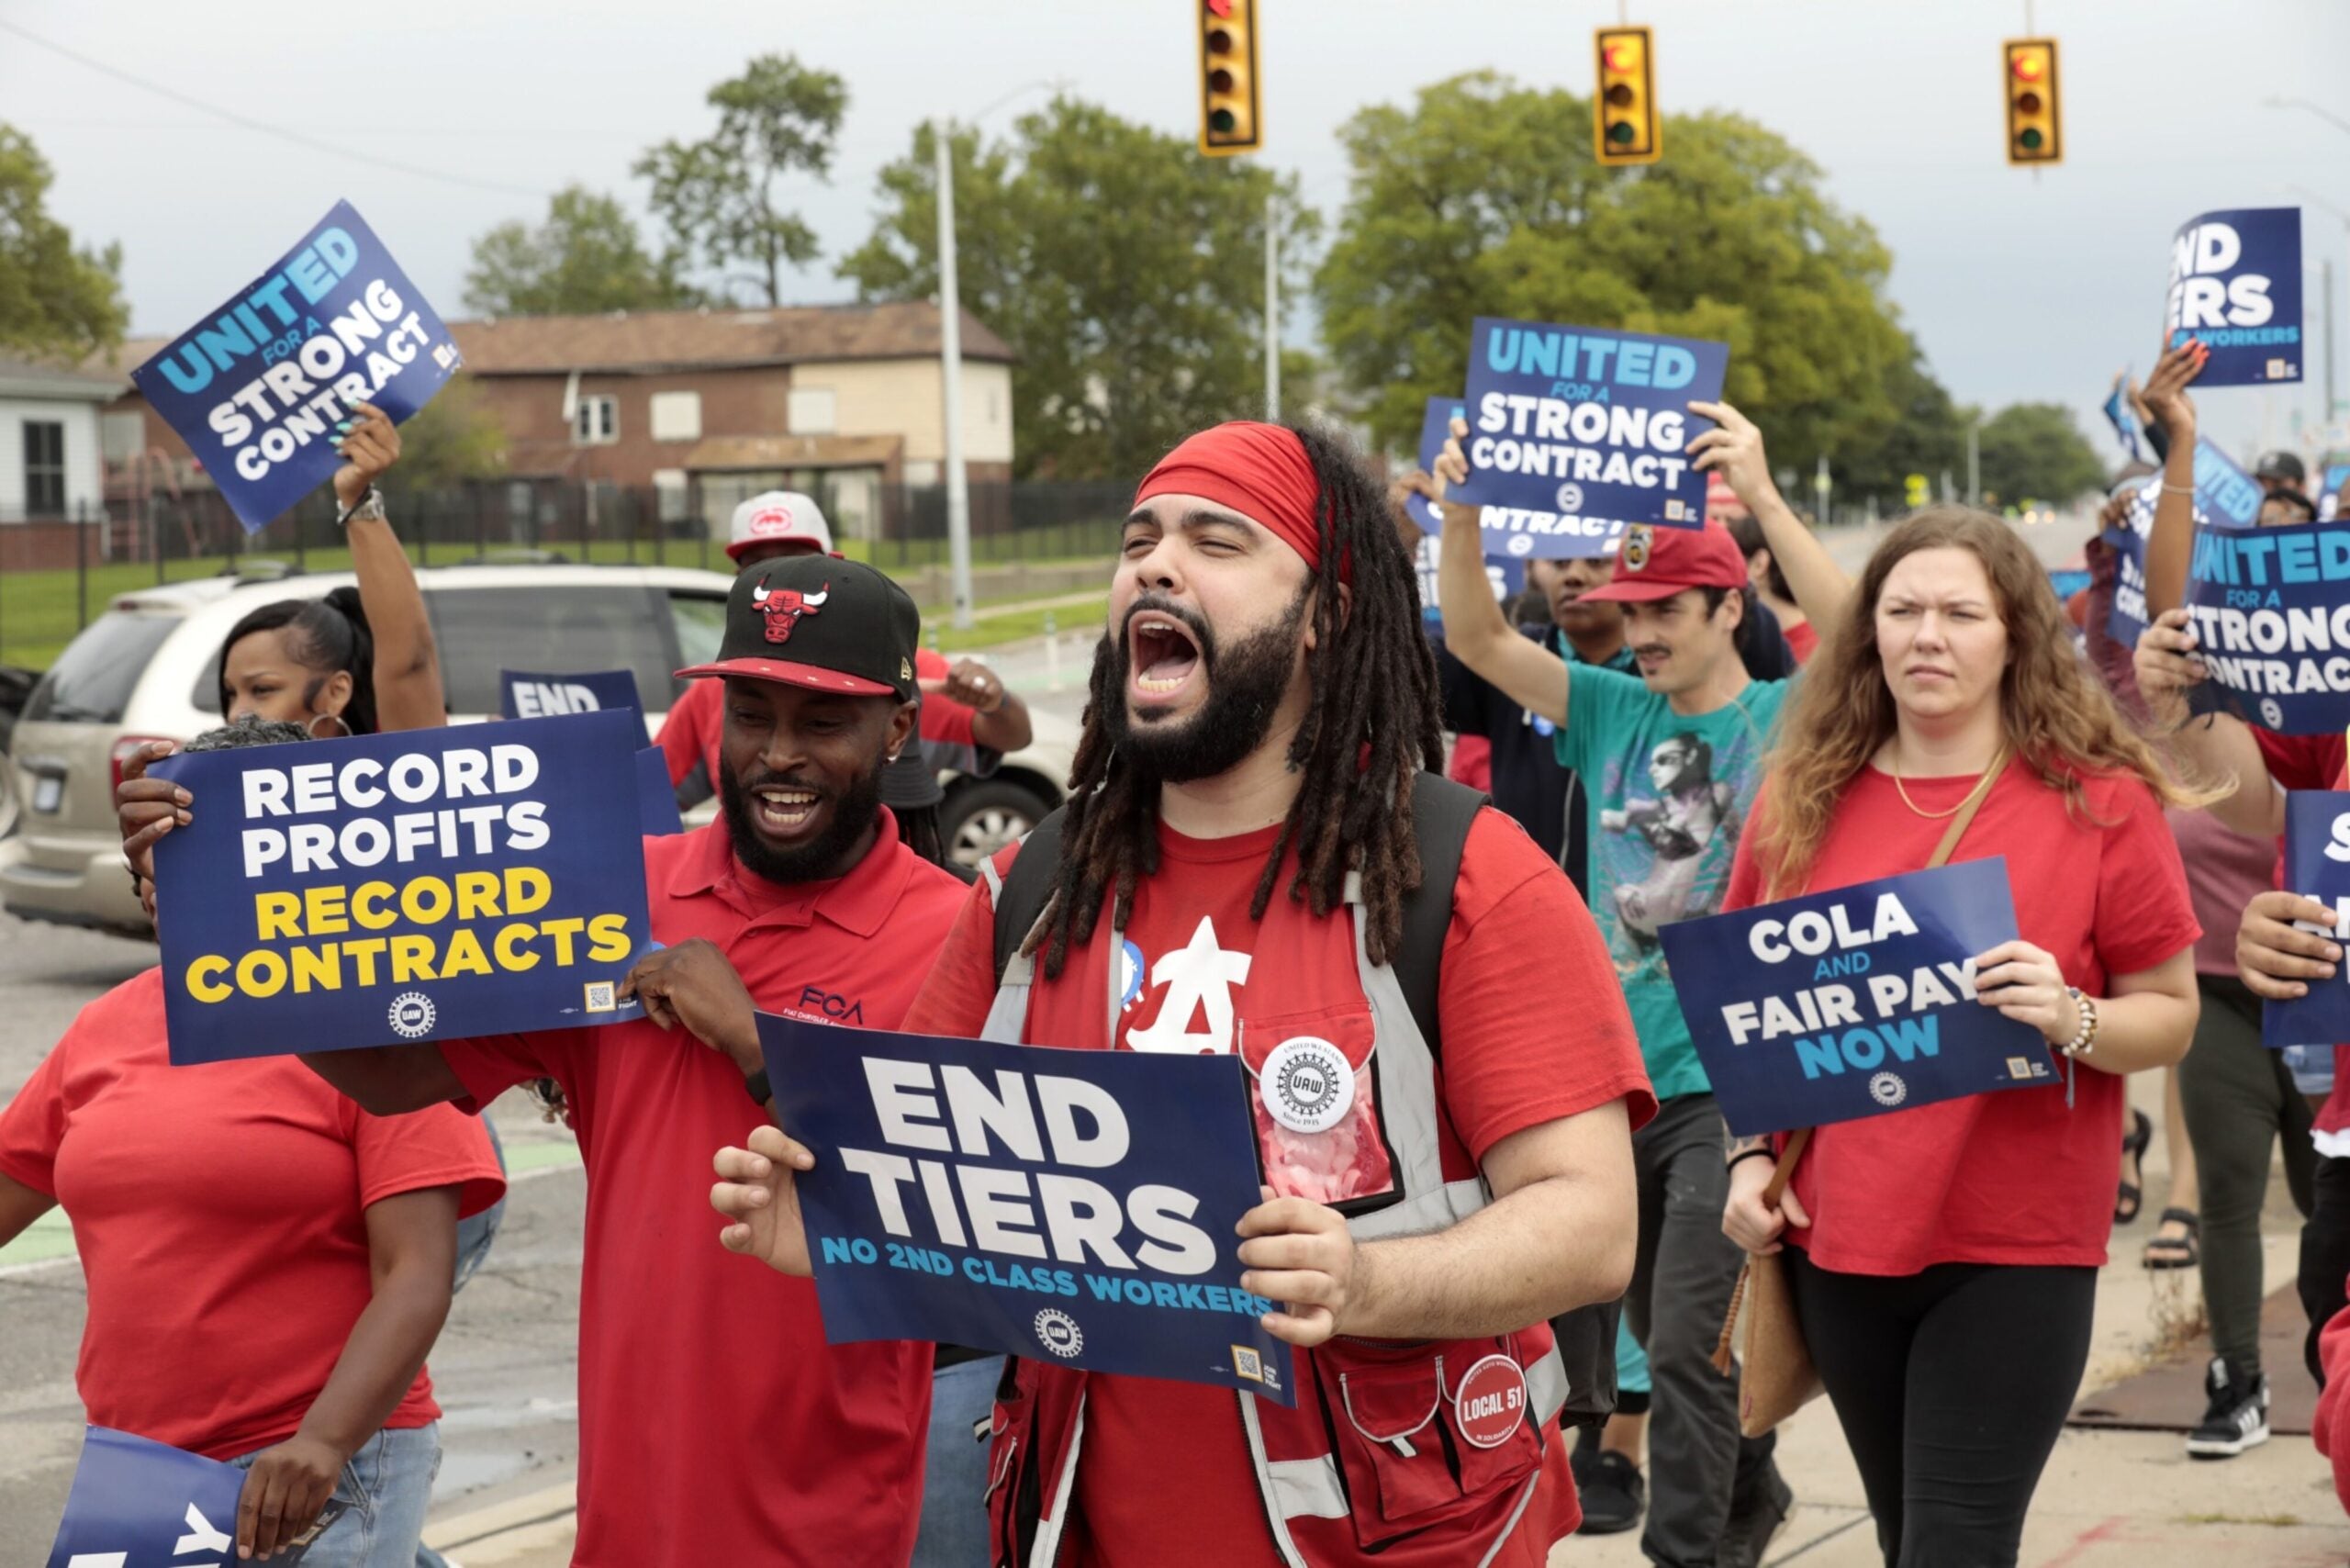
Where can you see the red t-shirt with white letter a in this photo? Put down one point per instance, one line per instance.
(1534, 1030)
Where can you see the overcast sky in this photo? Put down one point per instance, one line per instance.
(2019, 286)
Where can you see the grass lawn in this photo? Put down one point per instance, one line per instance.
(990, 629)
(40, 612)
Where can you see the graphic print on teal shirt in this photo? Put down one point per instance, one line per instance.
(1666, 796)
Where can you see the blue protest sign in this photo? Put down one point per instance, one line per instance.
(1076, 1207)
(137, 1504)
(383, 889)
(1587, 422)
(2226, 495)
(1851, 1003)
(524, 694)
(1507, 578)
(2336, 476)
(2272, 623)
(1508, 533)
(2236, 283)
(2317, 866)
(257, 387)
(656, 797)
(2118, 413)
(2222, 489)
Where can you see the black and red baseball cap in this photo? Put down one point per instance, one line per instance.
(820, 622)
(1657, 563)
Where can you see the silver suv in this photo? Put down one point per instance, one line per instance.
(148, 669)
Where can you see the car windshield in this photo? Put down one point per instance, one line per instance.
(92, 680)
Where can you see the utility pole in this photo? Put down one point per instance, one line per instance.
(1272, 307)
(1973, 463)
(950, 370)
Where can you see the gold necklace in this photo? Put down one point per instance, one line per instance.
(1996, 758)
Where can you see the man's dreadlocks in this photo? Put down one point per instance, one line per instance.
(1371, 727)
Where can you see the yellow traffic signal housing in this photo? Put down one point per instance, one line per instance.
(2035, 134)
(1231, 111)
(1624, 125)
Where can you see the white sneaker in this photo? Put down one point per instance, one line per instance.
(2237, 1417)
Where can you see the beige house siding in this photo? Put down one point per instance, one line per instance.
(901, 397)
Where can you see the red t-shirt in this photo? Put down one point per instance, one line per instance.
(220, 1214)
(2016, 1176)
(1803, 640)
(1519, 941)
(715, 1424)
(692, 730)
(1473, 761)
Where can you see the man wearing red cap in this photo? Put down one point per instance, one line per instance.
(715, 1424)
(1253, 806)
(1670, 759)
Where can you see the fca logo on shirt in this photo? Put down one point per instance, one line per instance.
(839, 1009)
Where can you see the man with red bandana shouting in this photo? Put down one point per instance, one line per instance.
(1236, 872)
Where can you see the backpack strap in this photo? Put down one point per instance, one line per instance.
(1442, 812)
(1023, 893)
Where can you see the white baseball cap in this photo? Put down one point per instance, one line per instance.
(778, 517)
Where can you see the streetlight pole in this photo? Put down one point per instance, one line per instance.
(2325, 281)
(1272, 307)
(2317, 109)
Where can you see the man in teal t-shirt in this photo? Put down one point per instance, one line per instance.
(1670, 757)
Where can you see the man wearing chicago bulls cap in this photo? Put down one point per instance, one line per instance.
(1671, 759)
(699, 1380)
(1260, 861)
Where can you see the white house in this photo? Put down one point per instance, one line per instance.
(50, 441)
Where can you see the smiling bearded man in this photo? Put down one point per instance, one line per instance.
(1252, 809)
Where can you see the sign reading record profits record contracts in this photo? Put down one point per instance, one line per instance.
(431, 884)
(1076, 1207)
(257, 387)
(1854, 1002)
(1588, 422)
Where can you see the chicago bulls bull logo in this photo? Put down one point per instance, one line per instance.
(784, 608)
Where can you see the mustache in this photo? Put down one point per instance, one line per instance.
(1159, 604)
(767, 778)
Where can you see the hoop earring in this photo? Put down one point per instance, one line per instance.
(341, 729)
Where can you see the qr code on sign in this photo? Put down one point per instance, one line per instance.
(2278, 370)
(599, 997)
(1246, 1363)
(1676, 511)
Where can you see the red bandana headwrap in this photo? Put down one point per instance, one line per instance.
(1258, 470)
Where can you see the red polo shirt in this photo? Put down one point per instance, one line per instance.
(715, 1425)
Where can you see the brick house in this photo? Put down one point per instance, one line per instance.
(702, 407)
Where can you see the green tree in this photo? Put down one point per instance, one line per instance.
(2035, 451)
(1126, 270)
(450, 439)
(587, 257)
(1482, 198)
(718, 195)
(1921, 431)
(56, 302)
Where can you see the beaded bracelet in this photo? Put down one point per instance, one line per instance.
(2085, 1042)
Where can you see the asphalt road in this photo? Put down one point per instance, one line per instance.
(506, 1365)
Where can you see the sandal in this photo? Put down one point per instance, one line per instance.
(2175, 1252)
(2134, 1144)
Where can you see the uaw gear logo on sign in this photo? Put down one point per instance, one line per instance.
(1058, 1333)
(1637, 545)
(412, 1015)
(1570, 499)
(1887, 1088)
(784, 608)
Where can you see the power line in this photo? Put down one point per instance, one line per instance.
(263, 128)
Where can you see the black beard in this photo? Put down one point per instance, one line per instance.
(1245, 684)
(821, 858)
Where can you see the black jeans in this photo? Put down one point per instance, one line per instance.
(2240, 1099)
(1952, 1386)
(1681, 1283)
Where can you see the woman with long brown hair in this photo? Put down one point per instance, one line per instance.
(1944, 1258)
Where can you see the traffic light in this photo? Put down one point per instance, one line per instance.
(2034, 133)
(1230, 120)
(1624, 125)
(1913, 490)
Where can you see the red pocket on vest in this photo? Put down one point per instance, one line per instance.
(1315, 1104)
(1405, 1439)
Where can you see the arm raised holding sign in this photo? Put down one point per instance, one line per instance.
(1475, 630)
(1733, 449)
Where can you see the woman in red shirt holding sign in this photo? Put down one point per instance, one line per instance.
(1944, 1258)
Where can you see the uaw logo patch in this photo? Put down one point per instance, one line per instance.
(412, 1016)
(784, 607)
(1887, 1088)
(1059, 1334)
(1637, 542)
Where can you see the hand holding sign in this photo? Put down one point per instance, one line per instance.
(285, 1490)
(2165, 391)
(2024, 983)
(370, 445)
(2281, 946)
(2165, 666)
(1733, 449)
(1300, 1254)
(757, 1194)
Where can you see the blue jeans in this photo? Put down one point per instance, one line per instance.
(953, 1510)
(474, 1234)
(388, 1485)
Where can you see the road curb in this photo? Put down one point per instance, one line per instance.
(537, 1527)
